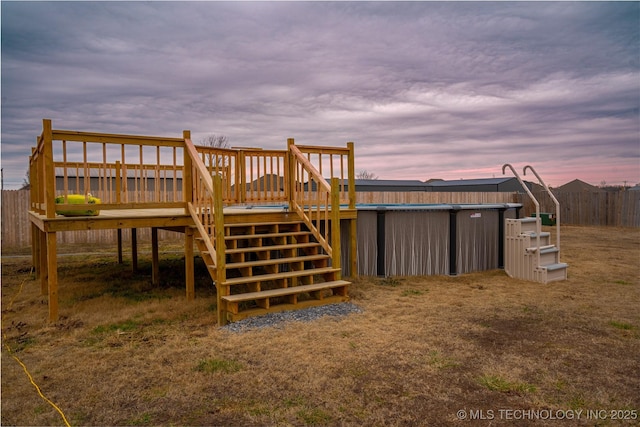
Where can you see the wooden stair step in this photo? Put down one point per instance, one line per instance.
(267, 235)
(283, 275)
(273, 247)
(273, 261)
(271, 293)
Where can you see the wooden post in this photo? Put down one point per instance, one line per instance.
(353, 227)
(44, 286)
(352, 176)
(118, 189)
(52, 275)
(242, 175)
(33, 178)
(221, 268)
(134, 250)
(119, 233)
(188, 263)
(35, 249)
(187, 178)
(336, 261)
(49, 170)
(155, 265)
(291, 176)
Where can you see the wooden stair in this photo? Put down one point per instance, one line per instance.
(521, 258)
(271, 267)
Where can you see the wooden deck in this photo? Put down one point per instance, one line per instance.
(172, 219)
(168, 183)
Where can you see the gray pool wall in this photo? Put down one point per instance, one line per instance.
(424, 240)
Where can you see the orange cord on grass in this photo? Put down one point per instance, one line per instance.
(24, 367)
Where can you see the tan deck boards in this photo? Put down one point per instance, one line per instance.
(128, 218)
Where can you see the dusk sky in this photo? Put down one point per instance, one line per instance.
(425, 90)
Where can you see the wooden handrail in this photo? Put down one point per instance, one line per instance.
(206, 209)
(309, 167)
(69, 135)
(198, 165)
(323, 150)
(313, 212)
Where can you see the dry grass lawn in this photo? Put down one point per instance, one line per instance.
(424, 348)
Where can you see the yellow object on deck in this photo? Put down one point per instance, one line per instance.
(78, 199)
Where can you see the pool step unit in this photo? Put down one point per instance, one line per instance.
(273, 266)
(521, 253)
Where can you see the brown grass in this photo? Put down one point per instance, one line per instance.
(126, 353)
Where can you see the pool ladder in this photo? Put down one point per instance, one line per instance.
(529, 254)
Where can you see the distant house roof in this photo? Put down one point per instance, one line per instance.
(506, 184)
(389, 185)
(577, 186)
(479, 181)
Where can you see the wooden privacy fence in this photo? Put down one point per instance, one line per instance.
(620, 209)
(604, 208)
(16, 227)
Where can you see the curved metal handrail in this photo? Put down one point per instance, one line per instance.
(535, 202)
(555, 201)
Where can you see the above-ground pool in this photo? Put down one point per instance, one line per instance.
(416, 240)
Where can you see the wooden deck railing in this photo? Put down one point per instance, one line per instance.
(124, 171)
(249, 175)
(133, 172)
(334, 162)
(264, 176)
(316, 201)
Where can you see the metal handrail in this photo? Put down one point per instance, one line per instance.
(535, 202)
(524, 171)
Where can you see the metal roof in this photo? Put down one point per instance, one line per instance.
(388, 182)
(479, 181)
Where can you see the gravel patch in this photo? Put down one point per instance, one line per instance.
(278, 320)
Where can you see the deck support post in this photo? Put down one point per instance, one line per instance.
(221, 267)
(188, 263)
(134, 249)
(42, 260)
(34, 248)
(336, 260)
(52, 275)
(119, 233)
(353, 249)
(155, 264)
(353, 230)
